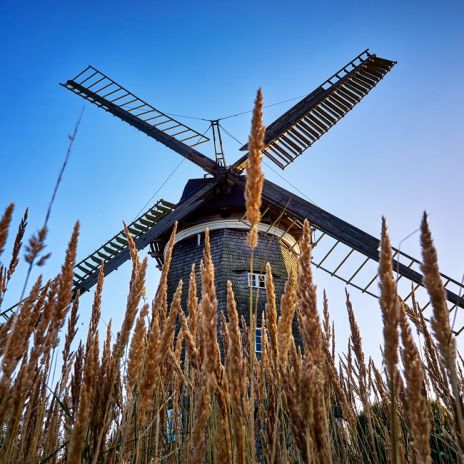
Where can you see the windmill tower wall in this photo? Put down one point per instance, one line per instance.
(231, 258)
(223, 215)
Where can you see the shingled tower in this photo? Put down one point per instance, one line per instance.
(224, 216)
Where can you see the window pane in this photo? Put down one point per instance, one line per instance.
(257, 280)
(258, 340)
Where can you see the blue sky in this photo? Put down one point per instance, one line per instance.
(398, 153)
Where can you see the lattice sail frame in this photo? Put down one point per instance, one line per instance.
(307, 121)
(91, 79)
(118, 243)
(354, 268)
(352, 255)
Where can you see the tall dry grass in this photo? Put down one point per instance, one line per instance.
(170, 388)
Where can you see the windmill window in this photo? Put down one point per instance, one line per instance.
(170, 433)
(256, 280)
(259, 340)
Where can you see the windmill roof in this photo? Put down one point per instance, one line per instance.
(193, 186)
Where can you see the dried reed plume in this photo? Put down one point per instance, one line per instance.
(440, 321)
(416, 398)
(17, 245)
(389, 303)
(255, 177)
(209, 308)
(432, 281)
(312, 382)
(236, 375)
(271, 315)
(284, 326)
(310, 322)
(5, 226)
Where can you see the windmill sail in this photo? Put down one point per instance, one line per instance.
(111, 249)
(303, 124)
(146, 229)
(105, 93)
(86, 271)
(156, 221)
(353, 246)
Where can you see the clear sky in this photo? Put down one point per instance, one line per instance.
(399, 152)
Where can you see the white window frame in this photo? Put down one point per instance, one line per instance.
(256, 280)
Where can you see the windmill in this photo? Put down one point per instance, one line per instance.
(217, 201)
